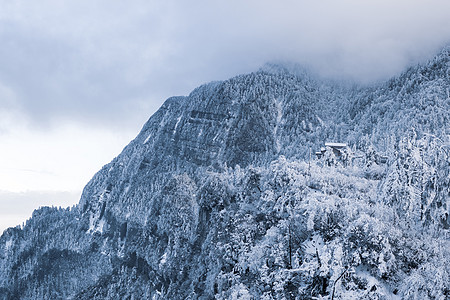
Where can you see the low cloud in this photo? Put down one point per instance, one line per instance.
(112, 63)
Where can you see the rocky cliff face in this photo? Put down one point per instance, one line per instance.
(217, 197)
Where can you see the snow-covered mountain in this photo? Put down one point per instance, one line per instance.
(221, 196)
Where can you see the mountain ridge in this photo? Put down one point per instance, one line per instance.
(214, 178)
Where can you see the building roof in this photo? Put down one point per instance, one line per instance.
(336, 145)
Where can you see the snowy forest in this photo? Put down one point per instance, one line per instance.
(270, 185)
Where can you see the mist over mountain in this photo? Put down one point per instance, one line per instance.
(222, 196)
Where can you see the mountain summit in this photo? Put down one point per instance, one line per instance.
(221, 196)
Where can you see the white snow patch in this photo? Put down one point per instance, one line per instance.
(91, 224)
(147, 139)
(163, 260)
(315, 244)
(320, 121)
(8, 244)
(157, 295)
(416, 155)
(372, 281)
(126, 189)
(241, 292)
(176, 125)
(96, 226)
(100, 226)
(216, 136)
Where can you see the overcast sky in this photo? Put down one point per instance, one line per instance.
(79, 78)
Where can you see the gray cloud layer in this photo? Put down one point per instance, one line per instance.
(113, 63)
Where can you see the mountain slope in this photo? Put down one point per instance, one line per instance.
(217, 198)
